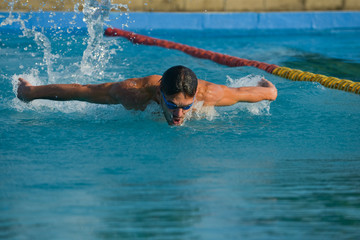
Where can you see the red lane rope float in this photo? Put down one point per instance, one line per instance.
(292, 74)
(193, 51)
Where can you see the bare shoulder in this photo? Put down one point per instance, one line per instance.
(209, 92)
(140, 83)
(136, 93)
(153, 80)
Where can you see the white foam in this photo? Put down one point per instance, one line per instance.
(199, 111)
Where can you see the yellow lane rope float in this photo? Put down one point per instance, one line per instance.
(329, 82)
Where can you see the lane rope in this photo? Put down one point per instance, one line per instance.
(231, 61)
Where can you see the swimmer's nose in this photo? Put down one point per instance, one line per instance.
(179, 112)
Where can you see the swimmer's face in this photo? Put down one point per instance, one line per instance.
(175, 107)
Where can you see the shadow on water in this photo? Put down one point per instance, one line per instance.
(320, 64)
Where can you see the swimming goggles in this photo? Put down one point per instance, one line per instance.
(173, 106)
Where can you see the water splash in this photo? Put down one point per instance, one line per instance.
(58, 69)
(98, 53)
(199, 111)
(40, 39)
(95, 57)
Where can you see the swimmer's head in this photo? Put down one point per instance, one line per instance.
(179, 79)
(177, 88)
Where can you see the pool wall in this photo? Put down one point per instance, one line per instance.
(197, 21)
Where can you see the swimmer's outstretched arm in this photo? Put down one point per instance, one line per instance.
(221, 95)
(265, 90)
(97, 93)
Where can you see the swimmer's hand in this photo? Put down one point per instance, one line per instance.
(265, 83)
(271, 89)
(23, 91)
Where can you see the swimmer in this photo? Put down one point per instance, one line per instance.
(175, 91)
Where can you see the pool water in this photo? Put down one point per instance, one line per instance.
(279, 170)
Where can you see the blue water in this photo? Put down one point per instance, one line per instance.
(289, 169)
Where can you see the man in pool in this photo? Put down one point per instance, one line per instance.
(175, 91)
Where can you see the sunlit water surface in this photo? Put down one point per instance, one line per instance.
(282, 170)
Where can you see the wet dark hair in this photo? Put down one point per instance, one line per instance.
(179, 79)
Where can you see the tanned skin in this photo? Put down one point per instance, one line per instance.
(138, 93)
